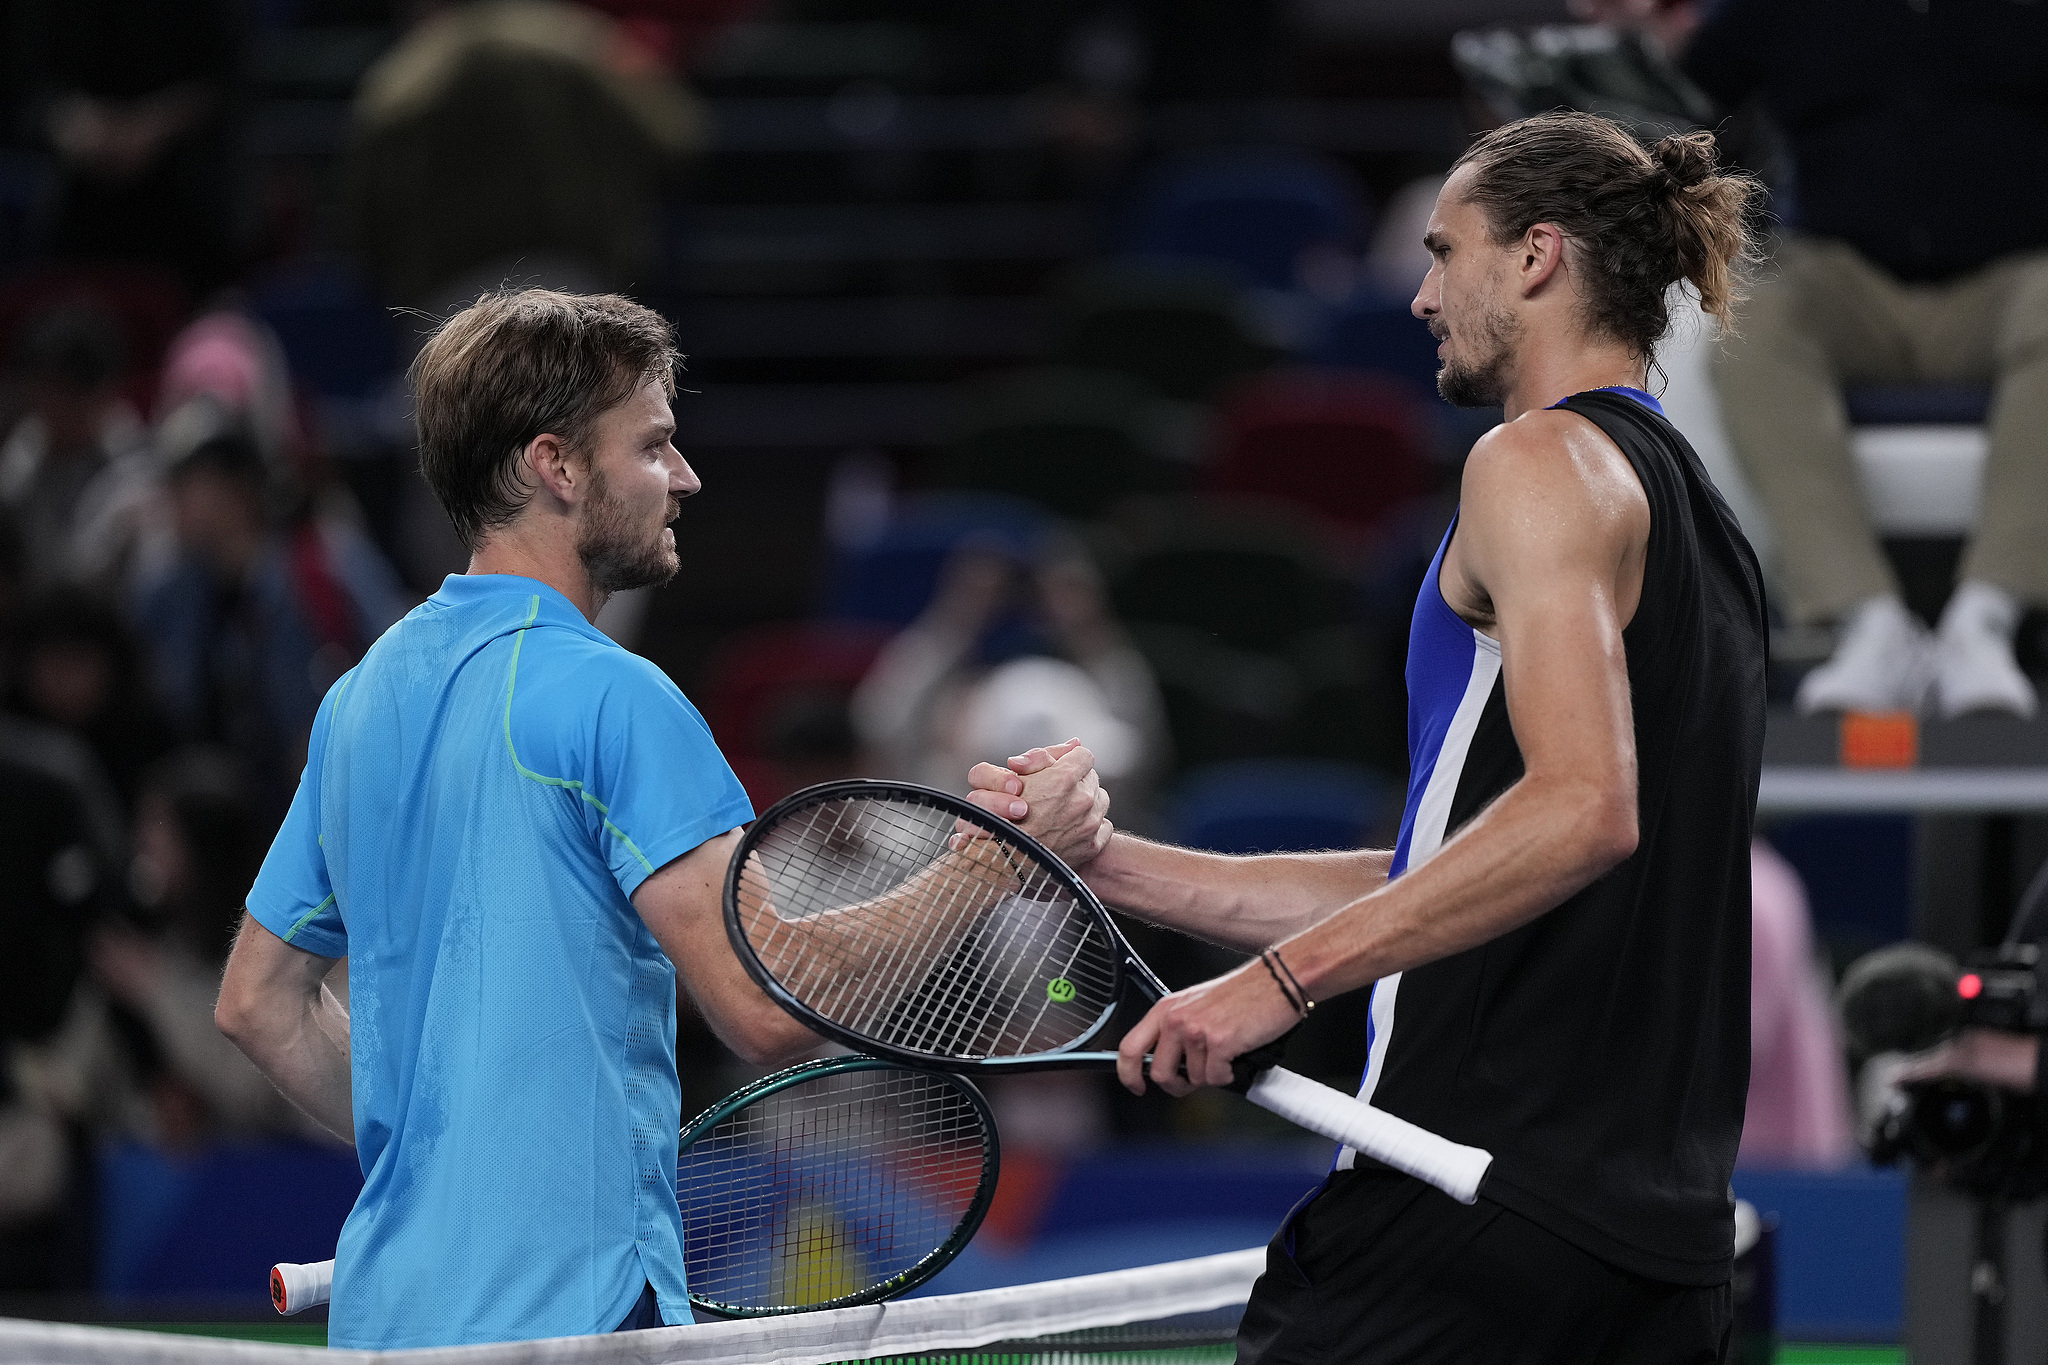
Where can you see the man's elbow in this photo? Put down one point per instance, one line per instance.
(239, 1014)
(1610, 832)
(773, 1038)
(232, 1015)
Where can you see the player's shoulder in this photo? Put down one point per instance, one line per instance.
(574, 696)
(588, 666)
(1546, 453)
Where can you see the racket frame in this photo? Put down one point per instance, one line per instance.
(1455, 1168)
(905, 1280)
(1127, 965)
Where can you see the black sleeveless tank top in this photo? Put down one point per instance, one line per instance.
(1601, 1051)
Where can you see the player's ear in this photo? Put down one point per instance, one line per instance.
(1541, 256)
(552, 467)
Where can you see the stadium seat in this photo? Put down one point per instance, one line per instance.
(1278, 805)
(1182, 328)
(1254, 210)
(1920, 452)
(147, 306)
(1071, 440)
(891, 578)
(775, 700)
(1379, 334)
(1252, 634)
(1346, 446)
(341, 342)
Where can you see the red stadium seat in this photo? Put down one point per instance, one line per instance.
(147, 305)
(1348, 447)
(767, 682)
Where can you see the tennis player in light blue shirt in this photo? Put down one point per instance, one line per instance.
(516, 832)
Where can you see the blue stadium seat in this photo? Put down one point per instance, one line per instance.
(1381, 335)
(891, 579)
(1254, 209)
(1278, 805)
(341, 343)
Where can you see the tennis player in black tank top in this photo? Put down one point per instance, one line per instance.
(1558, 947)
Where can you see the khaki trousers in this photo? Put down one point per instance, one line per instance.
(1822, 317)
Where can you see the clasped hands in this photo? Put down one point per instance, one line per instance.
(1191, 1036)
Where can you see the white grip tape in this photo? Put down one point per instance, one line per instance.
(295, 1288)
(1451, 1167)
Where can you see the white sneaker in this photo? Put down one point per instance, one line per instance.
(1973, 665)
(1883, 662)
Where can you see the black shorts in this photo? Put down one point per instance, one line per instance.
(1385, 1270)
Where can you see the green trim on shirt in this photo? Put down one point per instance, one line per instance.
(307, 918)
(568, 784)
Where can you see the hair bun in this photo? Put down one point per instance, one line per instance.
(1682, 160)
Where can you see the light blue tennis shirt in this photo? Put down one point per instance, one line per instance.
(482, 795)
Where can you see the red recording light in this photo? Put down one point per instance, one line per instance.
(1971, 986)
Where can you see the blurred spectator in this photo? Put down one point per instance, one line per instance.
(57, 877)
(74, 664)
(675, 32)
(256, 617)
(1798, 1113)
(1920, 257)
(76, 468)
(224, 372)
(1397, 260)
(138, 103)
(1010, 655)
(13, 577)
(199, 839)
(513, 138)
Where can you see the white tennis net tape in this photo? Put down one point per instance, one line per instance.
(905, 1327)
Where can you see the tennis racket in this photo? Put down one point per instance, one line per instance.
(858, 908)
(838, 1182)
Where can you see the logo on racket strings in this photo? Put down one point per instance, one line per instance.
(1059, 990)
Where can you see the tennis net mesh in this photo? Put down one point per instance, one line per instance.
(1180, 1313)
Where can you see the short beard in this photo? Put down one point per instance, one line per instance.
(614, 559)
(1484, 382)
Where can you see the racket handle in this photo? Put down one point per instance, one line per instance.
(295, 1288)
(1451, 1167)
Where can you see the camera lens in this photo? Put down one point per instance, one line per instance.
(1955, 1120)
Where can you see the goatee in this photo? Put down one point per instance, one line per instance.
(614, 554)
(1483, 382)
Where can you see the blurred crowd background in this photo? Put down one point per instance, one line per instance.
(1050, 373)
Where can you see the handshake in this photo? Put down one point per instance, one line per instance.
(1054, 795)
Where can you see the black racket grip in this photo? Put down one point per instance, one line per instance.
(1245, 1069)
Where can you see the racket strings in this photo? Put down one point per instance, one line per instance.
(850, 837)
(849, 844)
(882, 956)
(973, 1018)
(860, 908)
(828, 1188)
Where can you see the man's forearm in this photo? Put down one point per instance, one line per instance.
(1239, 902)
(1536, 846)
(306, 1056)
(276, 1007)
